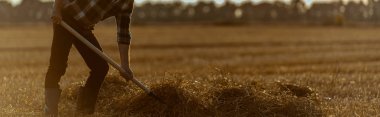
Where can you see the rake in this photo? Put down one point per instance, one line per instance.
(109, 60)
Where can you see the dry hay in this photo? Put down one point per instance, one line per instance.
(178, 102)
(219, 97)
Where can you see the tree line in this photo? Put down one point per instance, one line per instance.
(210, 12)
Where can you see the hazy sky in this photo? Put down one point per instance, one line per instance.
(218, 1)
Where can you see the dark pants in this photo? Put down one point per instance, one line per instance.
(62, 42)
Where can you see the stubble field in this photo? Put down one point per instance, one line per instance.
(207, 71)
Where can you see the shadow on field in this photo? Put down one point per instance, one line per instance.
(219, 97)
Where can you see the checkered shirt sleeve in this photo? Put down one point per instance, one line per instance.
(90, 12)
(123, 23)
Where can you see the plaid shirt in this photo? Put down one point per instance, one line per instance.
(90, 12)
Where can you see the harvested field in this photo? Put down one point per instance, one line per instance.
(208, 71)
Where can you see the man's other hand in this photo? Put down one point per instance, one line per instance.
(56, 18)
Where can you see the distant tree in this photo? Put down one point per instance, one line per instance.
(264, 12)
(204, 10)
(247, 9)
(5, 11)
(327, 13)
(228, 11)
(376, 11)
(298, 9)
(281, 12)
(356, 11)
(27, 10)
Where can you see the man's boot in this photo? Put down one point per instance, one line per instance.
(51, 101)
(86, 101)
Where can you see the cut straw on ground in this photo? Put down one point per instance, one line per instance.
(220, 97)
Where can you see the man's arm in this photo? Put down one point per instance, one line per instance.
(124, 39)
(125, 55)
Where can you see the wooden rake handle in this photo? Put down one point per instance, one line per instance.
(107, 58)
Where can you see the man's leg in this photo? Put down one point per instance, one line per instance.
(99, 68)
(58, 62)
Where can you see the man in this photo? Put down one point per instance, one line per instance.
(82, 15)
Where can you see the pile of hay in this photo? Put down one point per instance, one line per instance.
(185, 98)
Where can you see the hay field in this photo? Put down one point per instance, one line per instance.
(208, 70)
